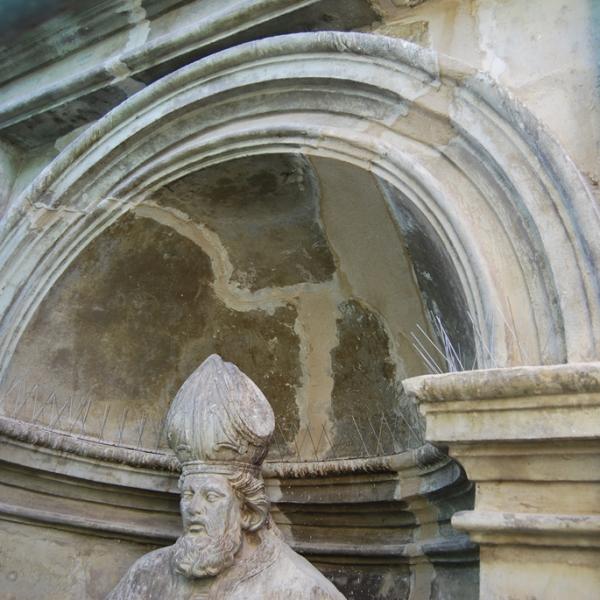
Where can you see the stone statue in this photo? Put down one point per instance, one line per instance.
(219, 426)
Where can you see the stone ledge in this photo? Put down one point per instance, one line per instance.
(529, 437)
(510, 382)
(530, 529)
(515, 404)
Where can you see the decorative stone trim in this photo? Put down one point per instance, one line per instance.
(274, 96)
(422, 459)
(529, 437)
(106, 23)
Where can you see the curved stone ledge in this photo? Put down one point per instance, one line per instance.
(423, 458)
(457, 548)
(101, 527)
(39, 436)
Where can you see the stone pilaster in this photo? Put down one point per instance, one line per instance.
(529, 437)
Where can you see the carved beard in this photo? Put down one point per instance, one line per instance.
(205, 556)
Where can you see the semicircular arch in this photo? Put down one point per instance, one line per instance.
(500, 195)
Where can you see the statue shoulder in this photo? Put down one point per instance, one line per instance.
(289, 577)
(306, 579)
(147, 578)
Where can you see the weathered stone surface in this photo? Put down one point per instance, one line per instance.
(373, 265)
(529, 438)
(128, 322)
(219, 426)
(265, 211)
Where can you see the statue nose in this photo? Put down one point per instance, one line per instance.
(197, 505)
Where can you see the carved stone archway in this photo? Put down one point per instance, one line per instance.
(457, 159)
(472, 167)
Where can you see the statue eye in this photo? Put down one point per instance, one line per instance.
(212, 496)
(187, 494)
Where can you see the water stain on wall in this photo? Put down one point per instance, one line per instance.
(264, 209)
(136, 314)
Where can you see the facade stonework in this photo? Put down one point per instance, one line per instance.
(384, 212)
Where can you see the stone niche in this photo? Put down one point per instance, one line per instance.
(300, 205)
(310, 275)
(294, 270)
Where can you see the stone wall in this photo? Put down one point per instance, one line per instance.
(544, 51)
(312, 208)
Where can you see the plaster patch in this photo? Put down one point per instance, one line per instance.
(370, 254)
(315, 326)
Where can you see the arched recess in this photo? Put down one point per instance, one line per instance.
(458, 155)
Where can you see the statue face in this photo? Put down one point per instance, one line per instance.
(207, 502)
(212, 526)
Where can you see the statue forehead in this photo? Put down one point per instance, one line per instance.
(202, 480)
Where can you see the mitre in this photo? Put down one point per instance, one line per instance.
(219, 421)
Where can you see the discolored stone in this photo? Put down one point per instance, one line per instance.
(131, 318)
(365, 389)
(265, 211)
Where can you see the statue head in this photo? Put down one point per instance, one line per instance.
(219, 426)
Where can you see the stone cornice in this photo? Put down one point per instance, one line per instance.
(129, 61)
(520, 403)
(53, 479)
(529, 437)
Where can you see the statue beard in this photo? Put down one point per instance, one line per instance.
(197, 556)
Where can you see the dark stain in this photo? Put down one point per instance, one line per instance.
(365, 388)
(135, 315)
(454, 579)
(265, 211)
(439, 284)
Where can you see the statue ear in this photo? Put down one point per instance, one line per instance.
(251, 519)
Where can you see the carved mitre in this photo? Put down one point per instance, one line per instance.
(219, 421)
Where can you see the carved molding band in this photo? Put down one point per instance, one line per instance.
(274, 96)
(423, 458)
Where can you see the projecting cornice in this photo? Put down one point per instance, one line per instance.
(75, 67)
(529, 437)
